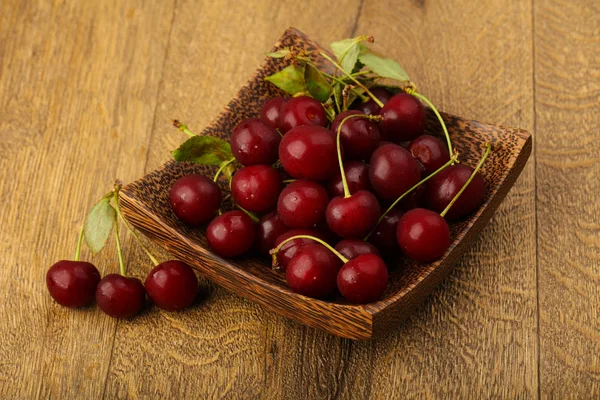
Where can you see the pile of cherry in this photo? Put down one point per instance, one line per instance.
(371, 183)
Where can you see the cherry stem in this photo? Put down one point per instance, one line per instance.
(276, 250)
(119, 249)
(248, 213)
(79, 242)
(399, 199)
(413, 92)
(221, 168)
(488, 148)
(371, 95)
(183, 128)
(289, 180)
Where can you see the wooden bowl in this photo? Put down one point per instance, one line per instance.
(145, 204)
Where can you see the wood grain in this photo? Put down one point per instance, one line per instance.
(567, 92)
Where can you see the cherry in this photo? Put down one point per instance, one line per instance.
(172, 285)
(370, 107)
(443, 187)
(392, 171)
(352, 248)
(312, 271)
(72, 283)
(289, 249)
(403, 118)
(301, 110)
(195, 199)
(354, 216)
(302, 204)
(254, 142)
(271, 111)
(231, 234)
(363, 279)
(120, 296)
(430, 151)
(384, 234)
(415, 199)
(359, 136)
(309, 152)
(268, 229)
(423, 235)
(257, 187)
(357, 176)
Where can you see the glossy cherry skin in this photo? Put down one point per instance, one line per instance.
(120, 296)
(357, 177)
(352, 248)
(359, 136)
(415, 199)
(353, 217)
(430, 151)
(253, 142)
(300, 111)
(72, 283)
(302, 204)
(271, 111)
(363, 279)
(423, 235)
(231, 234)
(195, 199)
(172, 285)
(403, 118)
(384, 234)
(370, 107)
(309, 152)
(442, 188)
(392, 171)
(289, 250)
(313, 271)
(268, 229)
(256, 188)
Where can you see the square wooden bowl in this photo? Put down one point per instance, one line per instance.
(145, 204)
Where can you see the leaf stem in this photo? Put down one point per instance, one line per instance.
(419, 96)
(79, 242)
(222, 167)
(276, 250)
(183, 128)
(488, 148)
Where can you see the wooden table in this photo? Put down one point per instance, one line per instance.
(87, 92)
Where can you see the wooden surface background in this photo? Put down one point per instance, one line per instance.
(87, 92)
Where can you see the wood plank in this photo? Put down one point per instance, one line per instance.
(78, 89)
(567, 76)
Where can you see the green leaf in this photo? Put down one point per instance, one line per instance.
(290, 79)
(204, 150)
(347, 51)
(99, 224)
(279, 53)
(382, 66)
(316, 84)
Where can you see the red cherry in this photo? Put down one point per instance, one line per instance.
(393, 171)
(357, 176)
(271, 111)
(430, 151)
(313, 271)
(415, 199)
(370, 107)
(309, 152)
(352, 248)
(72, 283)
(231, 234)
(359, 136)
(172, 285)
(363, 279)
(289, 250)
(442, 188)
(299, 111)
(195, 199)
(120, 296)
(253, 142)
(268, 229)
(423, 235)
(354, 216)
(302, 204)
(384, 234)
(403, 118)
(256, 188)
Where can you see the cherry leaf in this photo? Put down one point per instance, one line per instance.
(316, 84)
(384, 67)
(203, 150)
(347, 52)
(279, 53)
(290, 79)
(99, 224)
